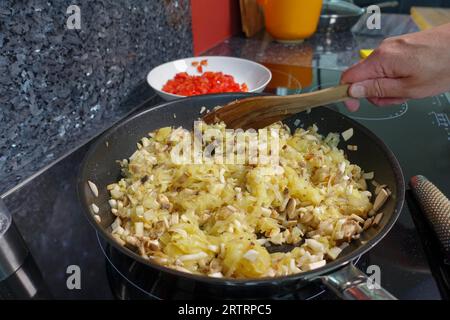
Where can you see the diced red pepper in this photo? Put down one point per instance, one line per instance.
(208, 82)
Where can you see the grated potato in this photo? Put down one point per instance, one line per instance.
(217, 219)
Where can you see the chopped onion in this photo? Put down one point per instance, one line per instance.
(347, 134)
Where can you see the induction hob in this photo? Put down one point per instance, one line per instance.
(49, 216)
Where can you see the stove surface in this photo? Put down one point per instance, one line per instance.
(47, 212)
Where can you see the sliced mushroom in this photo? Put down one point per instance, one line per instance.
(290, 208)
(132, 241)
(142, 252)
(215, 266)
(367, 223)
(175, 218)
(380, 200)
(150, 244)
(377, 219)
(118, 239)
(284, 204)
(349, 229)
(290, 223)
(356, 218)
(274, 214)
(164, 202)
(306, 217)
(378, 188)
(158, 230)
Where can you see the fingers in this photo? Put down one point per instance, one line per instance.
(369, 80)
(352, 105)
(370, 68)
(379, 88)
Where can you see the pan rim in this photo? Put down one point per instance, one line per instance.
(337, 16)
(307, 275)
(353, 12)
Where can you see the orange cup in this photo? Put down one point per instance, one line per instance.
(291, 20)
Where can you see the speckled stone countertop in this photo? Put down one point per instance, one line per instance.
(61, 87)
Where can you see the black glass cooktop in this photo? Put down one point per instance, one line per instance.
(47, 212)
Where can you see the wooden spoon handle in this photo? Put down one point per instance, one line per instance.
(259, 111)
(276, 108)
(301, 102)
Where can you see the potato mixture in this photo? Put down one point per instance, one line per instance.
(220, 219)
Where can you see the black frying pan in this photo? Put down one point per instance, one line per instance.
(340, 275)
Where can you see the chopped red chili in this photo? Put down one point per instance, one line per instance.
(208, 82)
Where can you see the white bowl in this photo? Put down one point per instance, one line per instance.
(255, 75)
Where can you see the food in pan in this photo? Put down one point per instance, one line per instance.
(220, 219)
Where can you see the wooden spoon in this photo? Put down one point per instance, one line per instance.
(260, 111)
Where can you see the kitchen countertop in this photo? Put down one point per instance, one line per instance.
(52, 137)
(61, 87)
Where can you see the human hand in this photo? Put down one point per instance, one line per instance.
(410, 66)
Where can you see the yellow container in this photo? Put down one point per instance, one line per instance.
(291, 20)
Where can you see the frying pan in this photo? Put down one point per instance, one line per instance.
(339, 275)
(339, 16)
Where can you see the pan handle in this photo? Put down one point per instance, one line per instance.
(350, 283)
